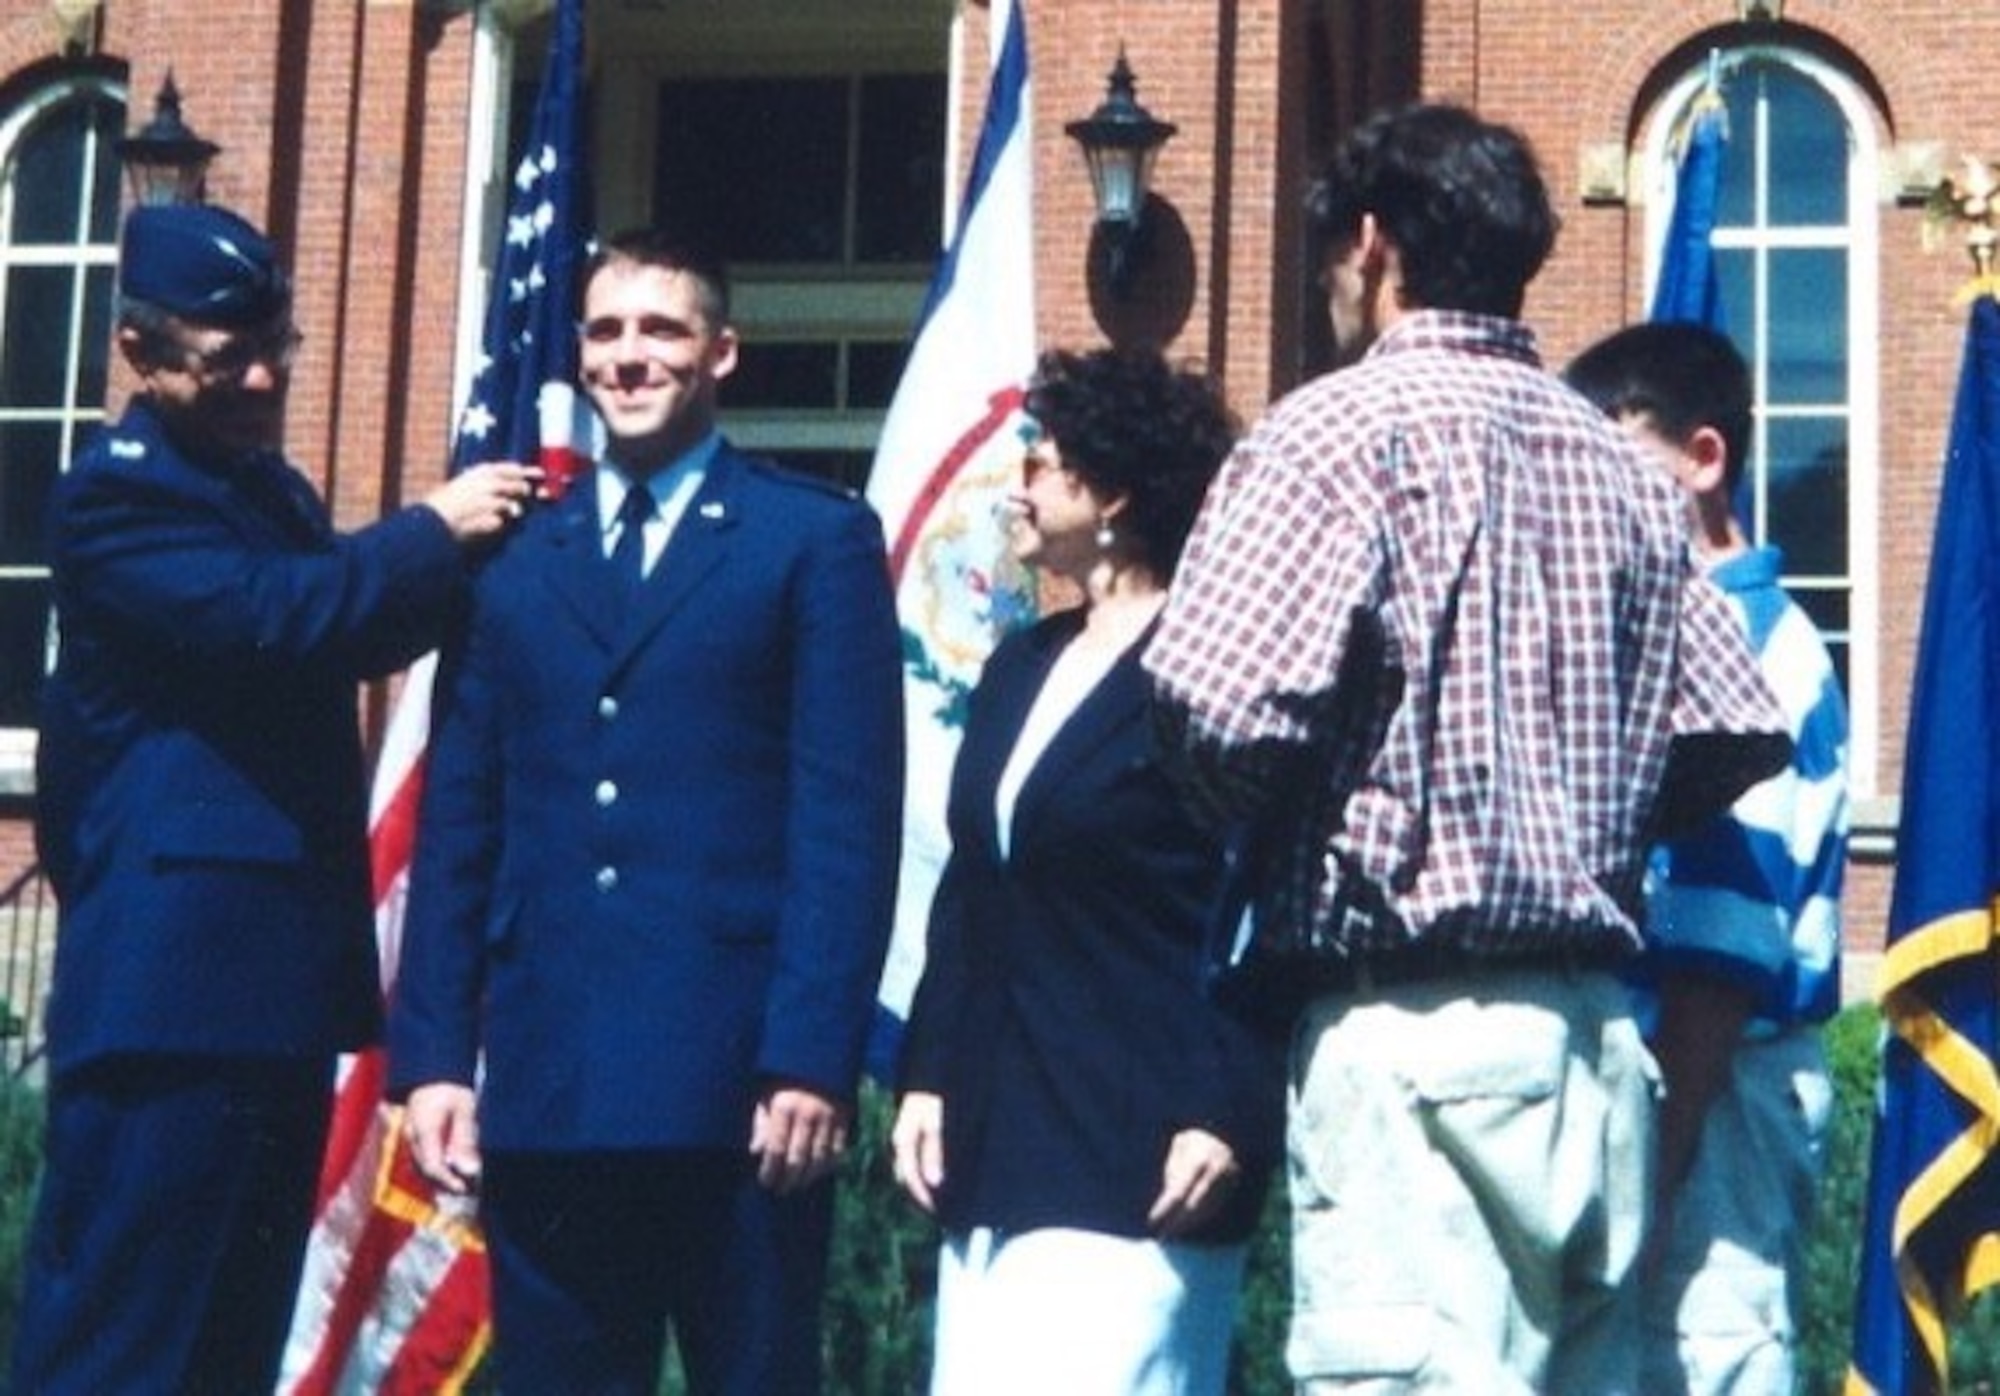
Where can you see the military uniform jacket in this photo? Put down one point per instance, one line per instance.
(656, 859)
(201, 793)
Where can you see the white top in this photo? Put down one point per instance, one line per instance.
(1077, 670)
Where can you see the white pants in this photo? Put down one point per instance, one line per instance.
(1078, 1313)
(1470, 1173)
(1721, 1307)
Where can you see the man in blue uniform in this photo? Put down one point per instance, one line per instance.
(654, 877)
(202, 817)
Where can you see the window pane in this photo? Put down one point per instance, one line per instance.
(872, 373)
(1808, 155)
(1829, 613)
(34, 349)
(110, 119)
(1737, 206)
(1808, 326)
(96, 347)
(24, 619)
(1736, 270)
(1807, 482)
(785, 375)
(899, 186)
(48, 177)
(29, 460)
(757, 167)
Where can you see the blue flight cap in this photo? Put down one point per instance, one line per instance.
(202, 263)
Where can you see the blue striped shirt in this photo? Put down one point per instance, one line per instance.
(1755, 896)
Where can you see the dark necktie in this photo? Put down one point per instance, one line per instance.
(628, 555)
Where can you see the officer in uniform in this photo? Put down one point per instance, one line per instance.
(654, 877)
(201, 814)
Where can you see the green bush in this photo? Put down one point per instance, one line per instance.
(883, 1270)
(20, 1162)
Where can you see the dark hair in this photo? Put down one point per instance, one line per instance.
(669, 250)
(1680, 376)
(1460, 198)
(1129, 423)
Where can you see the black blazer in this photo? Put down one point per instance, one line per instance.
(1060, 1015)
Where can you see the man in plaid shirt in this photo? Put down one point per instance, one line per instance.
(1437, 639)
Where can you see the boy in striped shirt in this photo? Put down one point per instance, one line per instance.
(1743, 921)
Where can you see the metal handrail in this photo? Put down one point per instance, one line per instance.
(27, 945)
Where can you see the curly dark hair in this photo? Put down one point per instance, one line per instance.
(1460, 198)
(1129, 423)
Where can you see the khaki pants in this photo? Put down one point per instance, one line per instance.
(1470, 1167)
(1721, 1308)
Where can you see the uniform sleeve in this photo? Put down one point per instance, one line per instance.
(844, 826)
(176, 571)
(434, 1008)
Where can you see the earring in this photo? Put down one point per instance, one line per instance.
(1105, 537)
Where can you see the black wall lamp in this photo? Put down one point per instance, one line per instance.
(165, 161)
(1120, 140)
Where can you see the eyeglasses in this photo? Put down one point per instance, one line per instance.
(230, 360)
(1037, 462)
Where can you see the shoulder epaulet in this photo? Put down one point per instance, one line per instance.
(783, 475)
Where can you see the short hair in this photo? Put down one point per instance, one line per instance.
(1680, 376)
(1129, 423)
(1461, 199)
(670, 251)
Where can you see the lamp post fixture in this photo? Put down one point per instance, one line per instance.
(1120, 141)
(165, 161)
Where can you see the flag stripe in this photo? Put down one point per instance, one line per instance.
(394, 1294)
(1000, 407)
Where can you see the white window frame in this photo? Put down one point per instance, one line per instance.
(1864, 448)
(17, 744)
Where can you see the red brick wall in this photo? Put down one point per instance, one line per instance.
(343, 127)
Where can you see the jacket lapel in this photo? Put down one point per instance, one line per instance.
(1072, 761)
(574, 563)
(699, 543)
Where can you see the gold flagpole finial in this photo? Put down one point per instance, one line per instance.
(1970, 200)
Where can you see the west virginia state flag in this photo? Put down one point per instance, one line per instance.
(949, 450)
(1933, 1230)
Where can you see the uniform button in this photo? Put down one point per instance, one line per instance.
(607, 793)
(607, 879)
(607, 707)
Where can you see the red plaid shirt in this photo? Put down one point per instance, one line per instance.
(1437, 629)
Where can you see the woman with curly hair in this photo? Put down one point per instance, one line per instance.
(1092, 1133)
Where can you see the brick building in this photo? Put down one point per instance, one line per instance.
(824, 138)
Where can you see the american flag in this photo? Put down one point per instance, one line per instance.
(394, 1294)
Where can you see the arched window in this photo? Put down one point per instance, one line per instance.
(1795, 245)
(58, 249)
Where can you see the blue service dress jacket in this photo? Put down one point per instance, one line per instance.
(201, 796)
(1060, 1014)
(656, 858)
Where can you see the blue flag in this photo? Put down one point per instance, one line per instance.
(1932, 1237)
(523, 405)
(1689, 288)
